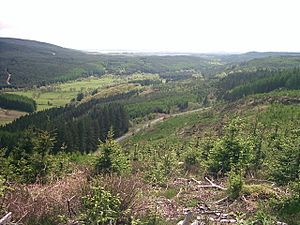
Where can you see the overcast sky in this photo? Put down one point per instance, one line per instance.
(156, 25)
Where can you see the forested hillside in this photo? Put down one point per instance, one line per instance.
(215, 136)
(241, 84)
(75, 128)
(35, 63)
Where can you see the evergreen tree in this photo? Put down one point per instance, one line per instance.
(112, 158)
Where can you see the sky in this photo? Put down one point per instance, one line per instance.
(207, 26)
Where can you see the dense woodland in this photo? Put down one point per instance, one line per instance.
(238, 85)
(17, 102)
(75, 128)
(217, 135)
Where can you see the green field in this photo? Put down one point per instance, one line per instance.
(56, 95)
(60, 94)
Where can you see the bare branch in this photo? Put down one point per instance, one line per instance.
(6, 219)
(212, 185)
(221, 200)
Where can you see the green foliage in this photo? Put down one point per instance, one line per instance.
(17, 102)
(281, 114)
(261, 81)
(236, 183)
(232, 149)
(192, 159)
(112, 158)
(161, 164)
(30, 157)
(157, 103)
(170, 193)
(3, 187)
(263, 218)
(79, 97)
(100, 207)
(77, 128)
(36, 63)
(284, 156)
(287, 208)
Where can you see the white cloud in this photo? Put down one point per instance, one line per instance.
(157, 25)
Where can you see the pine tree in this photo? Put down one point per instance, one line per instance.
(112, 158)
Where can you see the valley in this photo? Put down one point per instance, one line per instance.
(149, 139)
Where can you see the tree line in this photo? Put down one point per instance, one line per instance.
(17, 102)
(75, 128)
(239, 85)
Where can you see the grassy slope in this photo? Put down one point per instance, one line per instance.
(61, 94)
(174, 129)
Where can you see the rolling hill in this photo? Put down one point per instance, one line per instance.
(37, 63)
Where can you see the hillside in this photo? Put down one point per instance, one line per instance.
(151, 137)
(36, 63)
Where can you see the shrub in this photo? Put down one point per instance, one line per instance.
(235, 184)
(232, 149)
(162, 164)
(100, 207)
(263, 218)
(284, 157)
(30, 157)
(127, 188)
(191, 159)
(112, 158)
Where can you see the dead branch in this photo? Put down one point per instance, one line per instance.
(178, 194)
(70, 209)
(25, 214)
(221, 200)
(262, 181)
(215, 185)
(244, 199)
(222, 220)
(214, 212)
(212, 185)
(280, 223)
(6, 219)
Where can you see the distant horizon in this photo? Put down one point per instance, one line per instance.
(158, 52)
